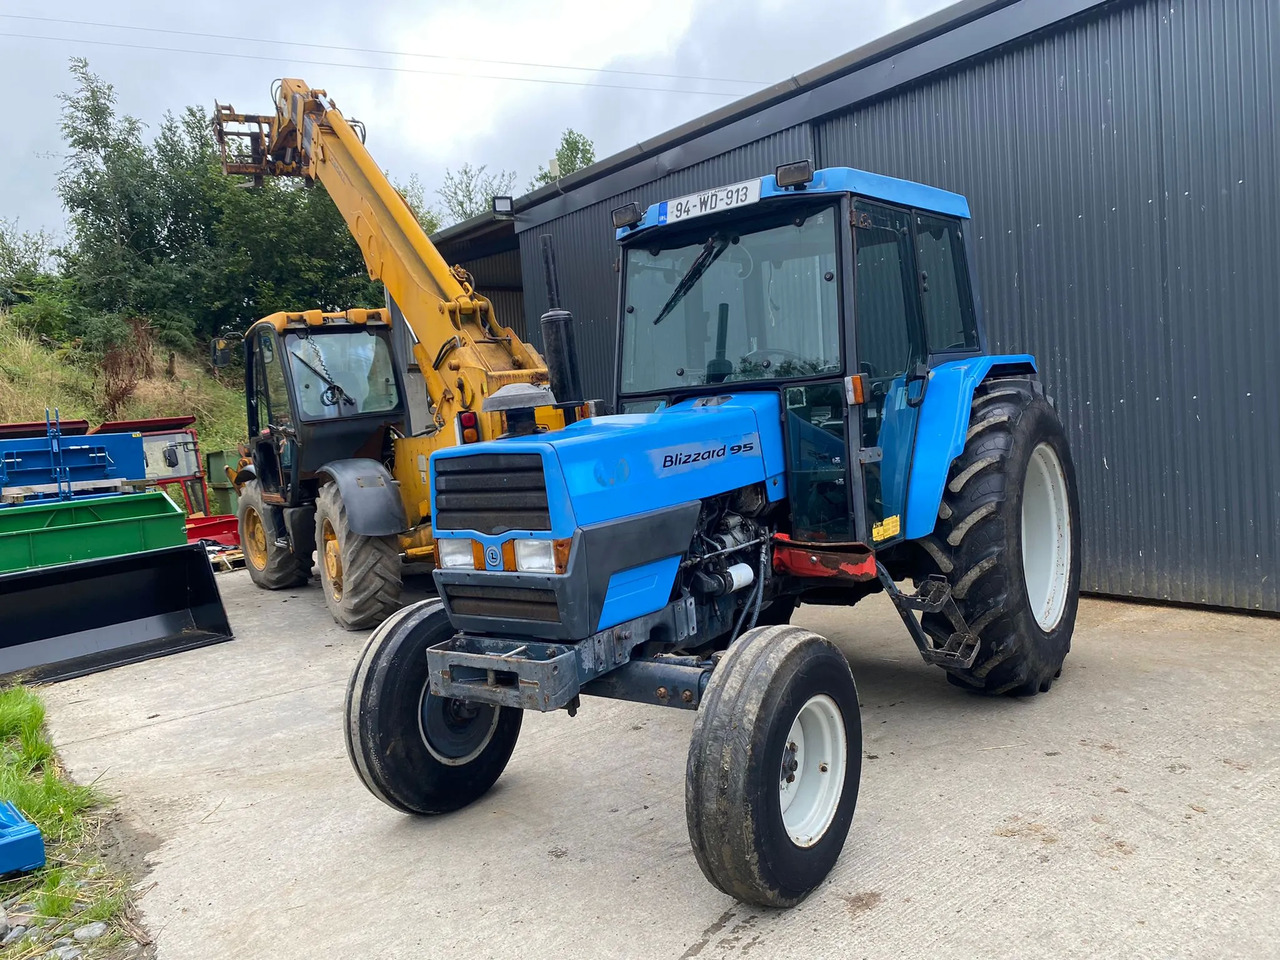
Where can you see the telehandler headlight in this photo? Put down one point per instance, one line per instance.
(455, 552)
(542, 556)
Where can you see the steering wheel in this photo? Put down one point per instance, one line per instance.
(774, 351)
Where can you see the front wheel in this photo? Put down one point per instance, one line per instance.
(413, 750)
(361, 576)
(774, 766)
(271, 562)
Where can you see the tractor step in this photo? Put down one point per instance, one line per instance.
(934, 596)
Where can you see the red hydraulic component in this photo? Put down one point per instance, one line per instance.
(826, 560)
(224, 530)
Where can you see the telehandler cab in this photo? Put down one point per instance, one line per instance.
(334, 471)
(808, 414)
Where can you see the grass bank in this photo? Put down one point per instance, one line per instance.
(76, 896)
(34, 376)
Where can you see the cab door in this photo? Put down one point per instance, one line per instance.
(891, 355)
(273, 433)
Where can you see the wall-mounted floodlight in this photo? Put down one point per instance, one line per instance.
(503, 207)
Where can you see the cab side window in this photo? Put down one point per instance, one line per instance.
(945, 296)
(273, 395)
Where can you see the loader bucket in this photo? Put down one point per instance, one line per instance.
(71, 619)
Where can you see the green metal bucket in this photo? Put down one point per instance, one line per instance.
(48, 534)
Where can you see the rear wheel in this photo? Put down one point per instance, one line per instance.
(271, 563)
(413, 750)
(774, 766)
(361, 575)
(1008, 539)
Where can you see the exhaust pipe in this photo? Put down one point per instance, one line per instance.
(558, 346)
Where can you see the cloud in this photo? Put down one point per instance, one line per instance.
(420, 122)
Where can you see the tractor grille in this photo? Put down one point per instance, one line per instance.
(491, 493)
(514, 603)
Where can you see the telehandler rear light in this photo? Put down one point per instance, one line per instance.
(468, 427)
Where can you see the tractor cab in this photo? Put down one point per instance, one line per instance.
(320, 387)
(835, 291)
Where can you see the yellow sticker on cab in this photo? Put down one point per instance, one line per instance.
(886, 528)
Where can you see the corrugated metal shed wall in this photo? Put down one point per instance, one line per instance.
(1122, 170)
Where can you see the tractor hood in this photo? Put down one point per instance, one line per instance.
(608, 468)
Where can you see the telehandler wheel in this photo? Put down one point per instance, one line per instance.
(774, 766)
(415, 751)
(1008, 539)
(361, 576)
(271, 565)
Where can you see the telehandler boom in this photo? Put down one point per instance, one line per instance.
(333, 468)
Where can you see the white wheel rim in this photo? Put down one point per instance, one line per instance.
(814, 761)
(1046, 537)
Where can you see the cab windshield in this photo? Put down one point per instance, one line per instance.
(733, 304)
(342, 374)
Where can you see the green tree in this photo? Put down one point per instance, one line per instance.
(469, 191)
(574, 153)
(160, 232)
(415, 196)
(25, 259)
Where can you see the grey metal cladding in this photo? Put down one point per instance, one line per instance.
(1122, 177)
(1122, 170)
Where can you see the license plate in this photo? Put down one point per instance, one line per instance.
(709, 201)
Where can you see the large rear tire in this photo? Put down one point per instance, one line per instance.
(271, 563)
(361, 576)
(414, 751)
(1008, 540)
(774, 766)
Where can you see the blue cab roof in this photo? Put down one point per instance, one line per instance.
(873, 186)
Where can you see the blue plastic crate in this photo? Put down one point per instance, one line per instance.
(21, 845)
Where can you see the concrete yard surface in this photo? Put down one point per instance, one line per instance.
(1131, 812)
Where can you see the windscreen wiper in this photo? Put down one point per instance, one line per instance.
(711, 251)
(336, 387)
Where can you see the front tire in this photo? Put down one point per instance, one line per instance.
(272, 565)
(1008, 540)
(774, 766)
(414, 751)
(361, 576)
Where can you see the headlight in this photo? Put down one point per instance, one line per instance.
(455, 552)
(536, 556)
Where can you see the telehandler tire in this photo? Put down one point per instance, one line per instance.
(774, 766)
(1008, 540)
(414, 751)
(361, 576)
(272, 565)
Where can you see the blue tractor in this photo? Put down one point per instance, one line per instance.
(807, 414)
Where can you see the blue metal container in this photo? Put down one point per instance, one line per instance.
(21, 844)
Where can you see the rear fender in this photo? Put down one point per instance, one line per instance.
(370, 495)
(942, 427)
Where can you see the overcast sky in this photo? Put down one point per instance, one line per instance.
(425, 108)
